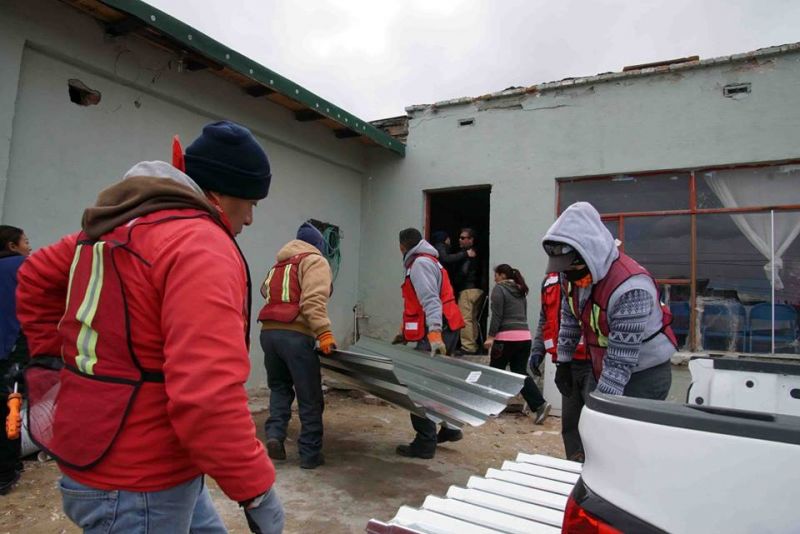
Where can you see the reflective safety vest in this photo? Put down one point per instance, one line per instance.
(413, 312)
(593, 317)
(551, 304)
(282, 290)
(78, 408)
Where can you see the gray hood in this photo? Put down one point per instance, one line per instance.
(423, 247)
(580, 227)
(511, 287)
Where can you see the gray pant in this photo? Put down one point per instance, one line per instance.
(653, 383)
(293, 369)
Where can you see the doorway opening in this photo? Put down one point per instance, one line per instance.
(450, 210)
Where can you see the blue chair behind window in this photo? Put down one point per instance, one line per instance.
(786, 328)
(724, 326)
(680, 321)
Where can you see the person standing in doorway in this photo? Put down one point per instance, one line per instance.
(431, 319)
(295, 316)
(470, 295)
(509, 339)
(441, 241)
(574, 385)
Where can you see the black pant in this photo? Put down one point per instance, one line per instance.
(10, 449)
(515, 354)
(583, 383)
(425, 439)
(293, 368)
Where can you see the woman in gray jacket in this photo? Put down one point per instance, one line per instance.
(509, 341)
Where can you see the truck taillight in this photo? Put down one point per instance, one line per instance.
(579, 521)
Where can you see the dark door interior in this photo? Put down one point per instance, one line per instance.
(453, 209)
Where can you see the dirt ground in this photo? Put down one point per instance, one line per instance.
(362, 478)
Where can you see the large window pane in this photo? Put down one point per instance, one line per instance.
(759, 186)
(626, 193)
(787, 291)
(661, 244)
(730, 279)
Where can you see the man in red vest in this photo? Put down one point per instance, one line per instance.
(431, 318)
(612, 303)
(148, 307)
(297, 289)
(575, 391)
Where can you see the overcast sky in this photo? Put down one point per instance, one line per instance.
(375, 57)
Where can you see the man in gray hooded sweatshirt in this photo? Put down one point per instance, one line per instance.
(432, 319)
(612, 302)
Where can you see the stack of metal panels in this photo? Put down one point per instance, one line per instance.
(441, 388)
(525, 496)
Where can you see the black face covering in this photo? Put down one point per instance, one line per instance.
(577, 274)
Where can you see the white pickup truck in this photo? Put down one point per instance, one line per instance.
(715, 464)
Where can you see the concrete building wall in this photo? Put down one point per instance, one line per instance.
(521, 144)
(55, 156)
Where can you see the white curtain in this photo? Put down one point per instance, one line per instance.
(767, 186)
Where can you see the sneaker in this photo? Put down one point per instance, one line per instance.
(448, 434)
(275, 449)
(541, 413)
(312, 462)
(411, 451)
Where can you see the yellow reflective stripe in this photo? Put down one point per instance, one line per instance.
(72, 267)
(87, 337)
(595, 320)
(570, 302)
(287, 273)
(265, 286)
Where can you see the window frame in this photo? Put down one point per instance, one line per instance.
(693, 211)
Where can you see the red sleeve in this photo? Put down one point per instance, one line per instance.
(42, 283)
(206, 360)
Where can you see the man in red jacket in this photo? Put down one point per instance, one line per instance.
(148, 307)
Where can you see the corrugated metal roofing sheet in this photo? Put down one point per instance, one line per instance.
(525, 496)
(439, 387)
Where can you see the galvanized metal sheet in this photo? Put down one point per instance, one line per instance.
(545, 484)
(506, 500)
(541, 472)
(441, 388)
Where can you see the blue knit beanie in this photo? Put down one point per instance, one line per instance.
(439, 236)
(309, 233)
(227, 159)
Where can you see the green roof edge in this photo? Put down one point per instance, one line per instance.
(224, 55)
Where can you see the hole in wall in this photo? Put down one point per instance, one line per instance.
(466, 122)
(81, 94)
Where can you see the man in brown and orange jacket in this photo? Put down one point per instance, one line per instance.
(297, 289)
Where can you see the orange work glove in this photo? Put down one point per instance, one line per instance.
(437, 344)
(326, 342)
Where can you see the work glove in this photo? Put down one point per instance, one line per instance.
(399, 339)
(564, 378)
(327, 344)
(535, 364)
(436, 342)
(264, 513)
